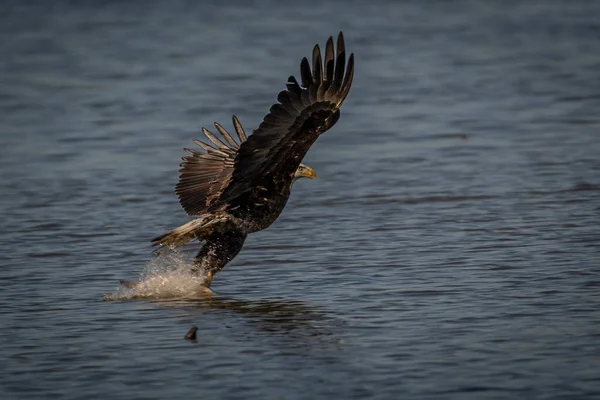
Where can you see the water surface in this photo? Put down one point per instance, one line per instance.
(448, 249)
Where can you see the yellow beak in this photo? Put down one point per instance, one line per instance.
(309, 173)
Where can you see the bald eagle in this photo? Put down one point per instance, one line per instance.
(234, 188)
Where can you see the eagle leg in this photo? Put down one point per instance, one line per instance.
(219, 248)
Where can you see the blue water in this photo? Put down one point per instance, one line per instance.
(449, 248)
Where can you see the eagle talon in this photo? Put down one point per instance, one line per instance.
(208, 280)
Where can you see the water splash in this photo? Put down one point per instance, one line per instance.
(168, 275)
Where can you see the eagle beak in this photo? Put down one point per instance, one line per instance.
(309, 173)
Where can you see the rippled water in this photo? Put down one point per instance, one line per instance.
(448, 249)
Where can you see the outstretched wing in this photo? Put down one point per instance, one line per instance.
(303, 112)
(204, 175)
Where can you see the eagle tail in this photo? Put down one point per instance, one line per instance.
(197, 228)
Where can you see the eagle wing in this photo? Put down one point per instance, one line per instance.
(226, 169)
(204, 175)
(303, 112)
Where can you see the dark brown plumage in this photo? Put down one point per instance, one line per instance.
(236, 187)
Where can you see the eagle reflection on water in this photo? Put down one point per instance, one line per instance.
(289, 317)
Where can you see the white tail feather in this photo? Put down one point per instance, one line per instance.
(181, 235)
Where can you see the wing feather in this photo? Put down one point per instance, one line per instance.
(239, 129)
(329, 63)
(317, 65)
(293, 86)
(347, 80)
(214, 139)
(305, 73)
(204, 175)
(228, 138)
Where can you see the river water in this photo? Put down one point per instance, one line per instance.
(449, 248)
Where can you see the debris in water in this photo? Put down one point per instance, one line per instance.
(191, 335)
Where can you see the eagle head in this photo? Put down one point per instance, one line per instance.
(304, 171)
